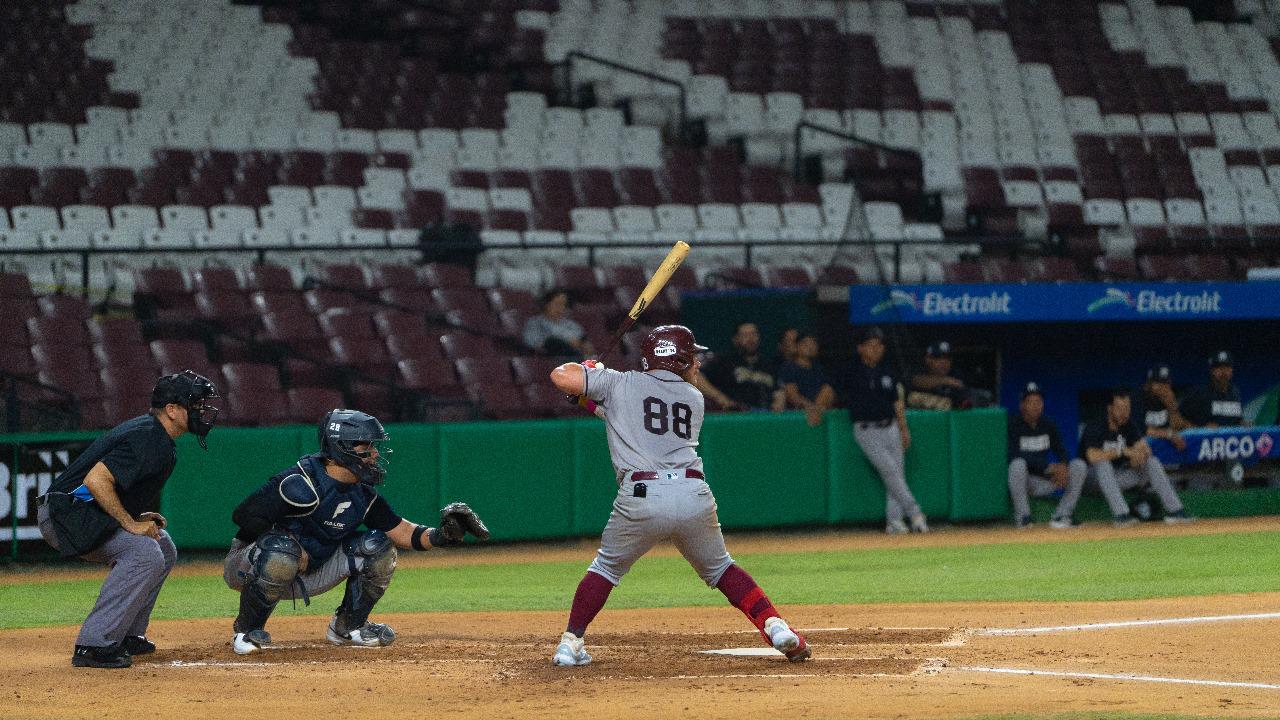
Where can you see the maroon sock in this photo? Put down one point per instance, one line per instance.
(592, 593)
(743, 592)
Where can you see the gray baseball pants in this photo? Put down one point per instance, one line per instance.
(883, 447)
(138, 566)
(1023, 485)
(675, 508)
(316, 580)
(1113, 483)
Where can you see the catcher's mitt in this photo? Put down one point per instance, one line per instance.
(457, 519)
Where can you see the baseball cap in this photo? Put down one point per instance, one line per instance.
(1031, 388)
(941, 348)
(870, 333)
(1159, 373)
(1222, 357)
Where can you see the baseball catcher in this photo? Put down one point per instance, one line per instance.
(300, 535)
(653, 419)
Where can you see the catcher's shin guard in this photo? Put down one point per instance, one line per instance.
(372, 559)
(273, 564)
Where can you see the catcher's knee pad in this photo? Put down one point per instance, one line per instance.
(274, 563)
(373, 555)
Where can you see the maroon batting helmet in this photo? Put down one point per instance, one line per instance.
(669, 347)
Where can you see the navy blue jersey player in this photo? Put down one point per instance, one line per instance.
(301, 534)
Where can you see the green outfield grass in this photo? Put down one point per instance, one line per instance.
(1081, 570)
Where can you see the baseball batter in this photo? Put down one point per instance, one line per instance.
(653, 419)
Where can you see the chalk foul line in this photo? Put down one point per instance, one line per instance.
(1115, 676)
(1128, 623)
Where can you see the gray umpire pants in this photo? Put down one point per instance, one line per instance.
(883, 447)
(1023, 485)
(316, 580)
(1113, 483)
(139, 566)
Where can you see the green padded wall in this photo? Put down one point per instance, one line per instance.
(553, 478)
(766, 469)
(517, 474)
(207, 485)
(594, 484)
(979, 482)
(413, 473)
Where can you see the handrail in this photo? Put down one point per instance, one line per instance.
(14, 404)
(798, 142)
(622, 67)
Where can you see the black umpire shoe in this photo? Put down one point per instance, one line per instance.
(138, 645)
(110, 656)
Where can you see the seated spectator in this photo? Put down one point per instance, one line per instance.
(936, 387)
(1218, 403)
(1158, 409)
(553, 332)
(742, 379)
(787, 344)
(1032, 439)
(805, 383)
(1120, 459)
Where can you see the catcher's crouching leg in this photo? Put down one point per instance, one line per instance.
(372, 560)
(273, 566)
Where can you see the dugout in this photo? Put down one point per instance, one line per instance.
(1079, 340)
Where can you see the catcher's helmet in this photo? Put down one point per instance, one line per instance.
(341, 431)
(192, 391)
(669, 347)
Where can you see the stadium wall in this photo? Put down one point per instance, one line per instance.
(552, 478)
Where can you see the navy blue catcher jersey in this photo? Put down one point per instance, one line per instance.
(338, 513)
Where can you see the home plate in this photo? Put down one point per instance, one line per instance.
(744, 652)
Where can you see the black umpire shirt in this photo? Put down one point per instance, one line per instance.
(1034, 444)
(1205, 405)
(750, 382)
(139, 454)
(869, 392)
(1098, 434)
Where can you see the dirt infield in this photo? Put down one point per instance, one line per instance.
(939, 660)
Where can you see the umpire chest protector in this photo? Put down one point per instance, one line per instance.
(328, 511)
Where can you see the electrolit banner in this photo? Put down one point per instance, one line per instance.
(1075, 302)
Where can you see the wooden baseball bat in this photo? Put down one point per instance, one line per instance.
(657, 281)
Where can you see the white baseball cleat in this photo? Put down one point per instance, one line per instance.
(367, 635)
(250, 642)
(896, 527)
(785, 640)
(571, 651)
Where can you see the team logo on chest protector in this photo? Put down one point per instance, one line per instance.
(341, 506)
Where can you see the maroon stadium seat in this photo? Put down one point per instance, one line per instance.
(432, 376)
(460, 345)
(309, 404)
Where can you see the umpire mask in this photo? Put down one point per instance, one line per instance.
(350, 438)
(193, 392)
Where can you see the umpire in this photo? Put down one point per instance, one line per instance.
(874, 398)
(103, 508)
